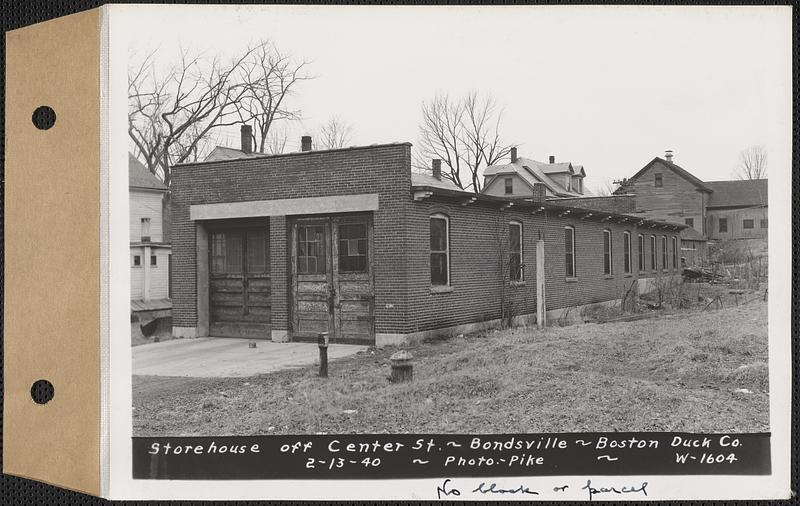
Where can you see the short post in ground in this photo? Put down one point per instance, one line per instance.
(402, 368)
(322, 342)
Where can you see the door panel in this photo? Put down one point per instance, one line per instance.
(332, 286)
(239, 284)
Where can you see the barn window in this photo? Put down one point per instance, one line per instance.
(515, 266)
(509, 182)
(353, 247)
(311, 257)
(723, 224)
(653, 263)
(569, 251)
(674, 252)
(626, 251)
(137, 261)
(747, 223)
(664, 263)
(607, 257)
(659, 180)
(641, 252)
(440, 250)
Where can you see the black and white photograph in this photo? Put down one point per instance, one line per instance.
(456, 220)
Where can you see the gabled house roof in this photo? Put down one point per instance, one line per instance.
(140, 177)
(675, 168)
(225, 153)
(427, 180)
(747, 193)
(532, 171)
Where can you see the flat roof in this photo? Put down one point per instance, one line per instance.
(260, 156)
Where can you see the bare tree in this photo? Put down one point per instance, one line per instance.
(464, 134)
(605, 189)
(268, 77)
(335, 134)
(171, 115)
(276, 141)
(753, 163)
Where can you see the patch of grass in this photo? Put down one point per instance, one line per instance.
(678, 372)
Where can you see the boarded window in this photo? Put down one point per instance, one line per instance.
(659, 180)
(723, 224)
(509, 182)
(689, 221)
(569, 251)
(747, 223)
(311, 257)
(653, 265)
(607, 267)
(641, 252)
(440, 253)
(626, 251)
(515, 267)
(764, 223)
(353, 247)
(674, 252)
(664, 263)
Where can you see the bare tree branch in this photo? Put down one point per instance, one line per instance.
(753, 163)
(335, 134)
(464, 134)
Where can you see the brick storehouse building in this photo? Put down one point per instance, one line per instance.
(350, 242)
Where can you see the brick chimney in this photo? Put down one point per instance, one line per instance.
(552, 158)
(539, 193)
(247, 139)
(668, 155)
(514, 155)
(305, 143)
(437, 168)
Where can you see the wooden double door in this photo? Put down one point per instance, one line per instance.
(239, 279)
(332, 278)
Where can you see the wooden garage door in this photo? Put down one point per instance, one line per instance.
(332, 279)
(239, 283)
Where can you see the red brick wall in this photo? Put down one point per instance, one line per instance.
(385, 170)
(475, 268)
(404, 302)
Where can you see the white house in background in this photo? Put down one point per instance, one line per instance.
(517, 179)
(150, 255)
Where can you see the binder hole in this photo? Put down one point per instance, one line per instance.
(42, 392)
(44, 117)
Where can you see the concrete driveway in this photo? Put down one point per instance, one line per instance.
(211, 357)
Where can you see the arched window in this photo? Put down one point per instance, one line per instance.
(569, 251)
(653, 263)
(515, 265)
(664, 263)
(641, 253)
(674, 252)
(607, 253)
(440, 249)
(626, 251)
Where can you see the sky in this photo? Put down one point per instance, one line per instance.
(608, 88)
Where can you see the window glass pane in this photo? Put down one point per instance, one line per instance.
(569, 252)
(664, 253)
(353, 247)
(311, 249)
(514, 233)
(626, 245)
(154, 260)
(137, 260)
(747, 224)
(438, 268)
(763, 223)
(217, 253)
(653, 252)
(438, 234)
(257, 251)
(607, 252)
(641, 253)
(233, 257)
(723, 224)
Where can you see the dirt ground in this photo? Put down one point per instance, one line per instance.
(694, 371)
